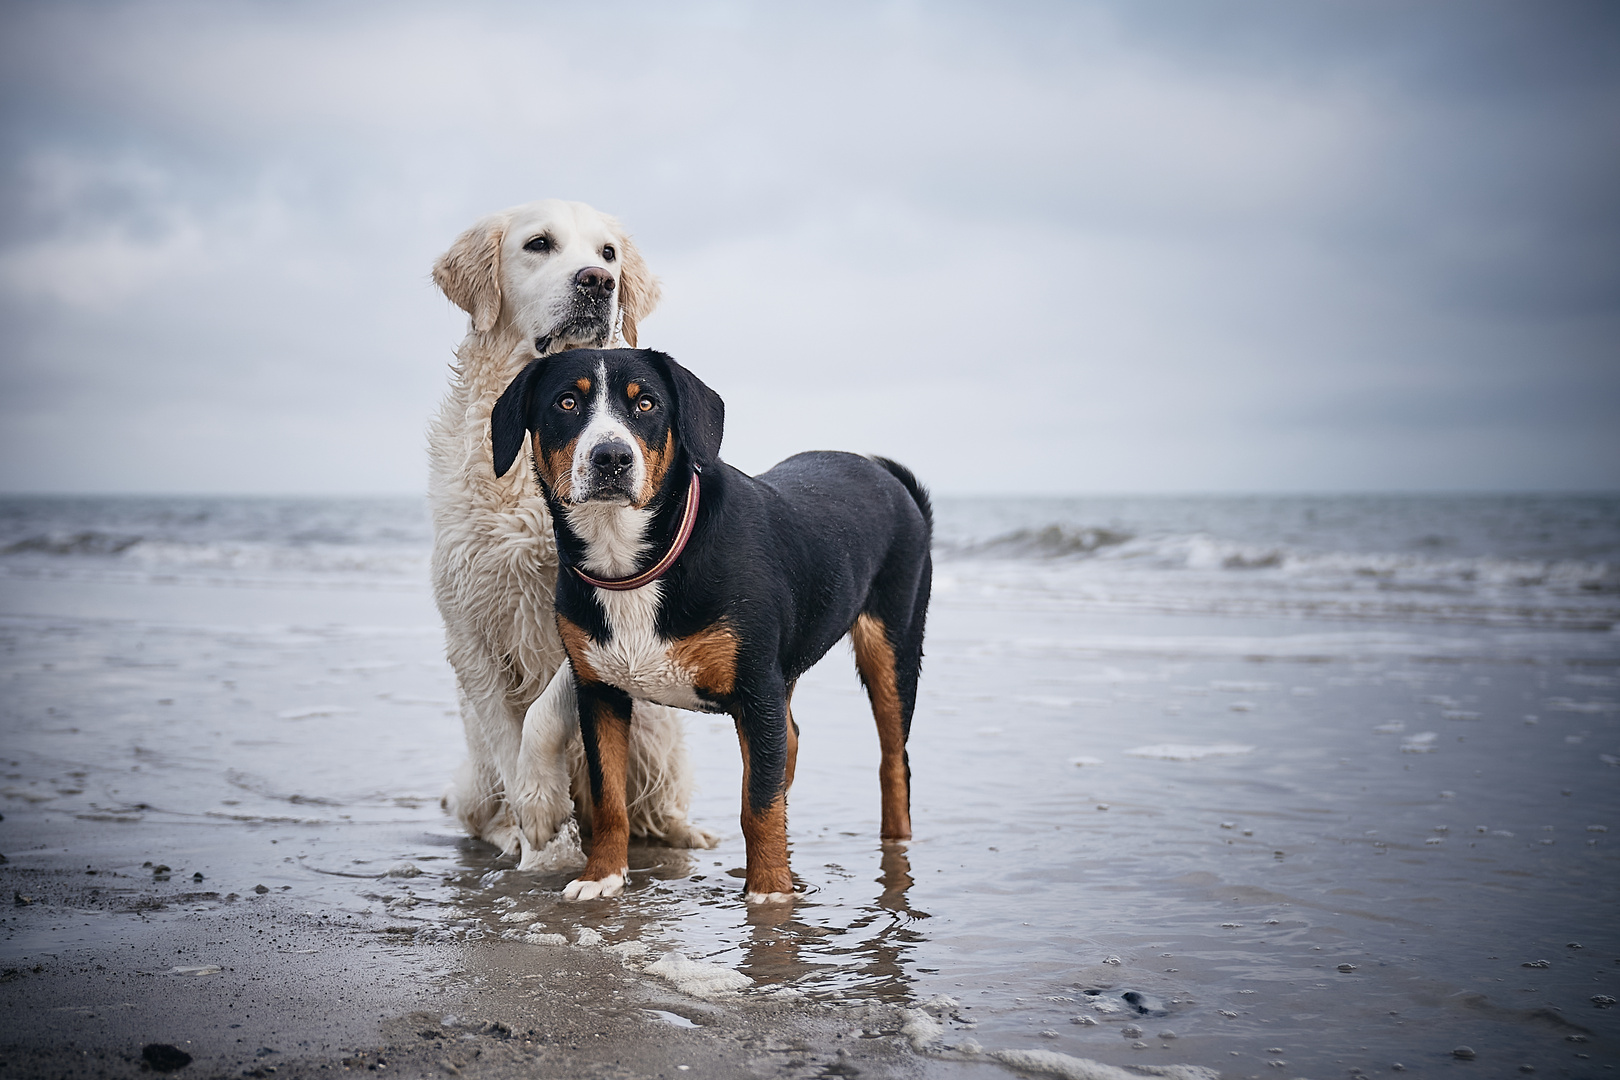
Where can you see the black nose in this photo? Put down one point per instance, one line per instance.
(594, 282)
(612, 456)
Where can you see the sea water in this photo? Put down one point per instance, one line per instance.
(1272, 785)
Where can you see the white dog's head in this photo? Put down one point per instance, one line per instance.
(558, 274)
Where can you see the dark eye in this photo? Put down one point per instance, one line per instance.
(646, 404)
(567, 403)
(538, 243)
(608, 254)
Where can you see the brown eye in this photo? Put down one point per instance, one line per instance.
(608, 254)
(646, 404)
(567, 403)
(538, 243)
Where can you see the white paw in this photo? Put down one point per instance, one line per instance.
(694, 837)
(581, 889)
(504, 833)
(771, 897)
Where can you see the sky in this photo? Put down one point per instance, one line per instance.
(1088, 247)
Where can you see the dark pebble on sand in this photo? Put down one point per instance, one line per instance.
(1466, 1053)
(1602, 1001)
(161, 1057)
(261, 889)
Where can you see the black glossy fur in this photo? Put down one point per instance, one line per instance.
(785, 563)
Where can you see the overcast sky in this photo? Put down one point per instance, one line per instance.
(1083, 247)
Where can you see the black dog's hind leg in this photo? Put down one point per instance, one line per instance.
(876, 660)
(888, 641)
(770, 745)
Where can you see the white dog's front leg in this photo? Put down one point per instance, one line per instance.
(540, 796)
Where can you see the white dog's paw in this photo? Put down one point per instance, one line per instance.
(687, 835)
(581, 889)
(504, 833)
(772, 897)
(563, 852)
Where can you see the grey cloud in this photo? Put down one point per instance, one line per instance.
(1244, 246)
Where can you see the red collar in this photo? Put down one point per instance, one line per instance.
(661, 567)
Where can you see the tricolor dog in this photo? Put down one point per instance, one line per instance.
(688, 583)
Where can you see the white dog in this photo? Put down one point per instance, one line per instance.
(535, 279)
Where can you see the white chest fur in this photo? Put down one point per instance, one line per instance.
(636, 658)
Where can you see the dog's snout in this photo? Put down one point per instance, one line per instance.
(613, 456)
(595, 282)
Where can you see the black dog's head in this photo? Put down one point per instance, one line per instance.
(608, 424)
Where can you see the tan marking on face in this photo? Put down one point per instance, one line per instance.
(557, 468)
(874, 659)
(765, 836)
(584, 384)
(657, 467)
(710, 658)
(576, 641)
(631, 390)
(610, 820)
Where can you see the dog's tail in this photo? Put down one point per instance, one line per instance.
(919, 494)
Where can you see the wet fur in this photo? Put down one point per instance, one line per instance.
(779, 567)
(495, 557)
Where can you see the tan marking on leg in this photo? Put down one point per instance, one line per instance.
(610, 821)
(710, 658)
(792, 744)
(584, 384)
(874, 658)
(557, 468)
(765, 837)
(657, 466)
(576, 640)
(631, 389)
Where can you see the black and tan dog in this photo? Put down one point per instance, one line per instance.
(689, 583)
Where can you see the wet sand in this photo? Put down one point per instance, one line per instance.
(1248, 846)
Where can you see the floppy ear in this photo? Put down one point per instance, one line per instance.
(470, 272)
(509, 420)
(638, 289)
(700, 415)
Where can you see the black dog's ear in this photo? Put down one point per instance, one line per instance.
(700, 415)
(509, 420)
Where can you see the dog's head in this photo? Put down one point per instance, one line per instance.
(559, 274)
(608, 424)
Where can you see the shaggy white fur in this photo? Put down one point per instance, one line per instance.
(530, 278)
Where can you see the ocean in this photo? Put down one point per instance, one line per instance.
(1272, 785)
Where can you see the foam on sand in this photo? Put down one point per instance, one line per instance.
(1188, 752)
(923, 1030)
(1052, 1063)
(699, 977)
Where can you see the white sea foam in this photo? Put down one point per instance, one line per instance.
(1052, 1063)
(923, 1030)
(314, 711)
(699, 978)
(1188, 752)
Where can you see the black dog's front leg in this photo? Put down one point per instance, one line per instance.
(604, 727)
(769, 745)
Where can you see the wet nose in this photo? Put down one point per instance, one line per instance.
(612, 456)
(595, 282)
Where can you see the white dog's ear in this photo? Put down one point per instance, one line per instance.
(638, 289)
(469, 274)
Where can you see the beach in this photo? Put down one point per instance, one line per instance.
(1224, 787)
